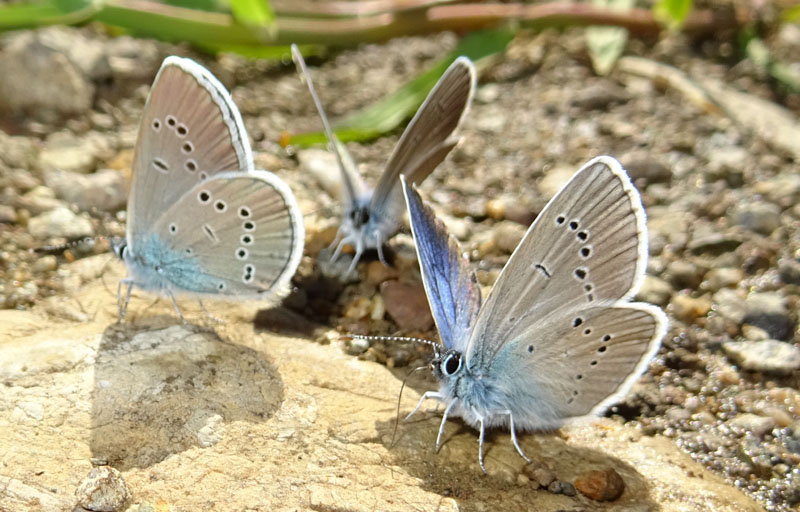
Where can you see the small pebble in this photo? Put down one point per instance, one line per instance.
(768, 356)
(103, 490)
(60, 222)
(407, 304)
(688, 308)
(756, 425)
(606, 485)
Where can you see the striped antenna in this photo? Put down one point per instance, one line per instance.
(89, 241)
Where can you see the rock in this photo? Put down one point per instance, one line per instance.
(561, 487)
(407, 304)
(729, 304)
(555, 179)
(7, 214)
(725, 163)
(281, 414)
(540, 474)
(599, 95)
(324, 167)
(718, 278)
(133, 59)
(24, 60)
(688, 309)
(104, 190)
(507, 235)
(758, 426)
(789, 270)
(768, 356)
(768, 311)
(87, 54)
(103, 490)
(605, 485)
(60, 222)
(18, 152)
(655, 291)
(487, 93)
(39, 200)
(684, 274)
(644, 169)
(67, 152)
(760, 217)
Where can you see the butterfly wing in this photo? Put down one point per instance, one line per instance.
(354, 187)
(451, 286)
(190, 130)
(237, 234)
(562, 292)
(428, 139)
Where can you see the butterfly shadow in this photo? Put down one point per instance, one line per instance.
(161, 390)
(454, 471)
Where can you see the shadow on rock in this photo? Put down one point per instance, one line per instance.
(162, 391)
(454, 471)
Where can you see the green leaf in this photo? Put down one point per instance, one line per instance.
(49, 12)
(791, 14)
(759, 53)
(672, 13)
(606, 44)
(255, 14)
(389, 113)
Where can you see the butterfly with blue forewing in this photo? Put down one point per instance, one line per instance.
(371, 218)
(201, 220)
(557, 338)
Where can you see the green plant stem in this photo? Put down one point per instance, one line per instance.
(149, 18)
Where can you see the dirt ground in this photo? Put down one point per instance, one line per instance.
(721, 196)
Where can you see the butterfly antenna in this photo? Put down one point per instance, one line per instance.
(436, 346)
(399, 397)
(69, 244)
(334, 142)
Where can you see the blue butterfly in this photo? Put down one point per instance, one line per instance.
(557, 338)
(201, 220)
(370, 218)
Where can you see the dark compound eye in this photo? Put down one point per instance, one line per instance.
(451, 364)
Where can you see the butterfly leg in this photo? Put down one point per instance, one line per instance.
(379, 248)
(122, 306)
(514, 437)
(480, 447)
(177, 309)
(336, 240)
(428, 394)
(208, 313)
(342, 242)
(441, 426)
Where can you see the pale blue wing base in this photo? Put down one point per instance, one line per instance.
(237, 235)
(451, 286)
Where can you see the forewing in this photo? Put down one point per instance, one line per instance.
(353, 185)
(588, 247)
(429, 136)
(577, 363)
(451, 286)
(236, 234)
(190, 130)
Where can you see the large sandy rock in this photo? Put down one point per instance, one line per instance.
(239, 418)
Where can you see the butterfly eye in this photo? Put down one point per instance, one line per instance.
(451, 364)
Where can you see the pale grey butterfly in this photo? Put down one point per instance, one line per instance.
(370, 218)
(557, 338)
(201, 220)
